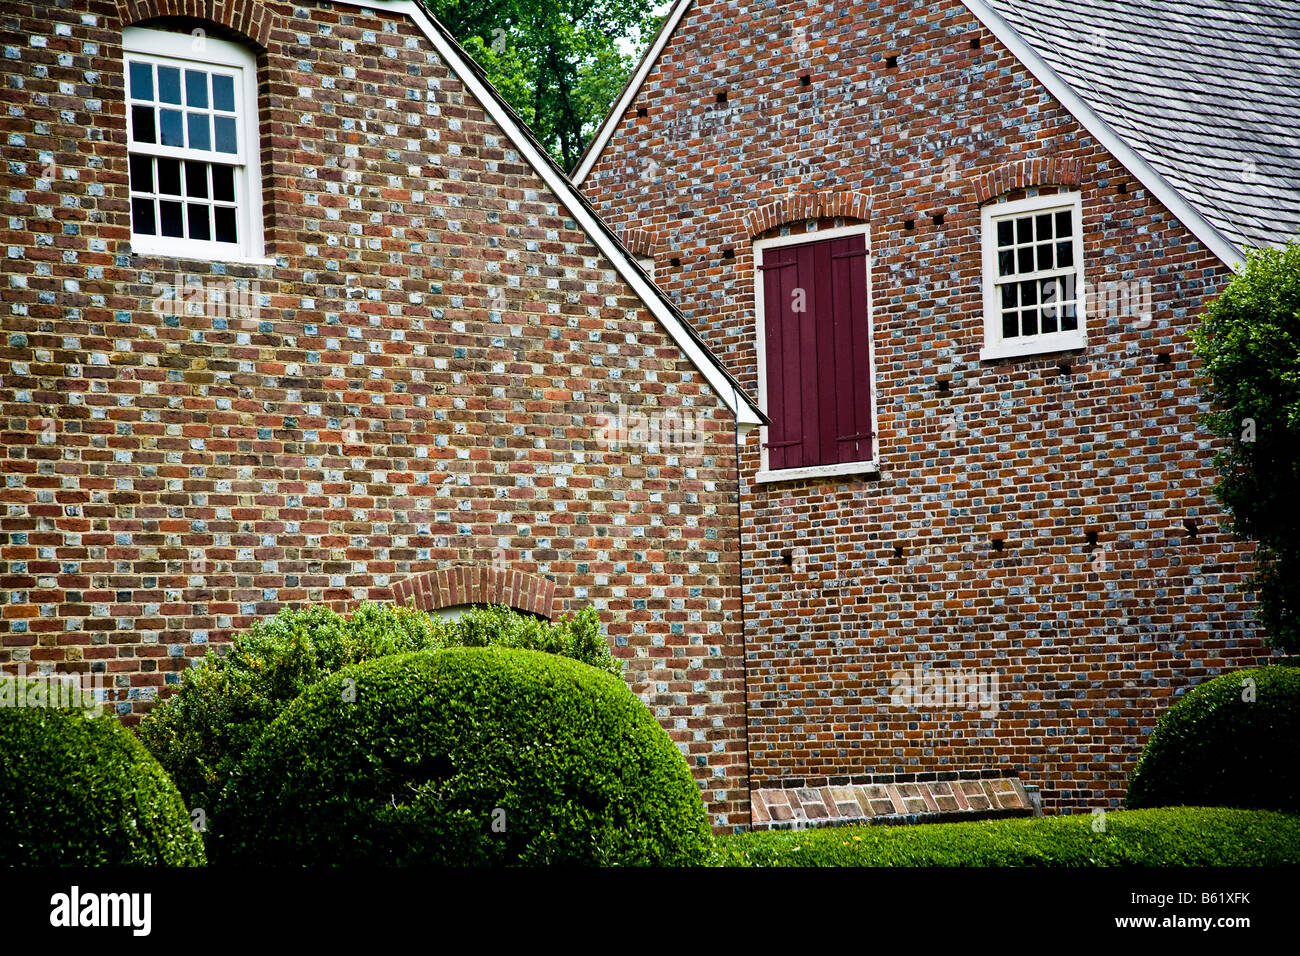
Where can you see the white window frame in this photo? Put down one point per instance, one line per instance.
(182, 50)
(870, 467)
(995, 346)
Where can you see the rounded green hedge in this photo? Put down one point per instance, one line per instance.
(1233, 741)
(77, 790)
(225, 703)
(463, 756)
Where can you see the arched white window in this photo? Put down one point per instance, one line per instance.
(192, 138)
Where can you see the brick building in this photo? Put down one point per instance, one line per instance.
(956, 249)
(294, 310)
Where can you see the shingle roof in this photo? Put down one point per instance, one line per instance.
(1206, 91)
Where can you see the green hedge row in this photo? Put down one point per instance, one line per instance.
(1181, 836)
(463, 757)
(201, 733)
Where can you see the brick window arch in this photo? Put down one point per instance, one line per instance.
(249, 19)
(467, 584)
(1024, 173)
(828, 204)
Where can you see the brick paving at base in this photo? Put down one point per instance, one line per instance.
(911, 802)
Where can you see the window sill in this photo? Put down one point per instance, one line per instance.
(1045, 346)
(818, 471)
(223, 258)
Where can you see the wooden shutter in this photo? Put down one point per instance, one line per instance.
(817, 360)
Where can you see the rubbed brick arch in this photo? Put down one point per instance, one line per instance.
(1024, 173)
(640, 241)
(477, 584)
(830, 204)
(248, 18)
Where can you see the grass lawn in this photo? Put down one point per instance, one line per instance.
(1175, 836)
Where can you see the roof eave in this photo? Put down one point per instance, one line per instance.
(1205, 231)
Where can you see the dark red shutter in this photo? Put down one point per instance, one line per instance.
(818, 360)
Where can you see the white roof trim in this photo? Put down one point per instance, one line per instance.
(615, 115)
(746, 414)
(1105, 134)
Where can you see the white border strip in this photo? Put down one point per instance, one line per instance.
(747, 416)
(1090, 120)
(616, 114)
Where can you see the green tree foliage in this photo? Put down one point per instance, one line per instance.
(1249, 343)
(558, 63)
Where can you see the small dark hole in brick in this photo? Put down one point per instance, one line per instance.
(1122, 188)
(1164, 358)
(805, 80)
(1092, 538)
(898, 550)
(944, 386)
(997, 544)
(975, 43)
(787, 558)
(937, 218)
(891, 62)
(675, 262)
(1063, 368)
(642, 112)
(722, 97)
(1191, 526)
(728, 253)
(909, 224)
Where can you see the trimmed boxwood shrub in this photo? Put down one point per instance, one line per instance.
(1181, 836)
(227, 701)
(464, 756)
(1233, 741)
(77, 790)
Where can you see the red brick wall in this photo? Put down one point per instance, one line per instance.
(1089, 642)
(382, 415)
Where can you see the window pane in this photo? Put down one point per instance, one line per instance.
(141, 81)
(199, 221)
(1045, 255)
(170, 123)
(142, 217)
(1006, 262)
(1063, 224)
(1064, 254)
(1029, 321)
(141, 174)
(142, 124)
(196, 180)
(1069, 318)
(196, 89)
(1006, 233)
(1028, 293)
(223, 183)
(1010, 324)
(225, 128)
(169, 84)
(1024, 229)
(1008, 296)
(225, 217)
(1026, 259)
(169, 176)
(223, 93)
(169, 214)
(199, 137)
(1043, 226)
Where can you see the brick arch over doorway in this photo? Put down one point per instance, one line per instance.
(477, 584)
